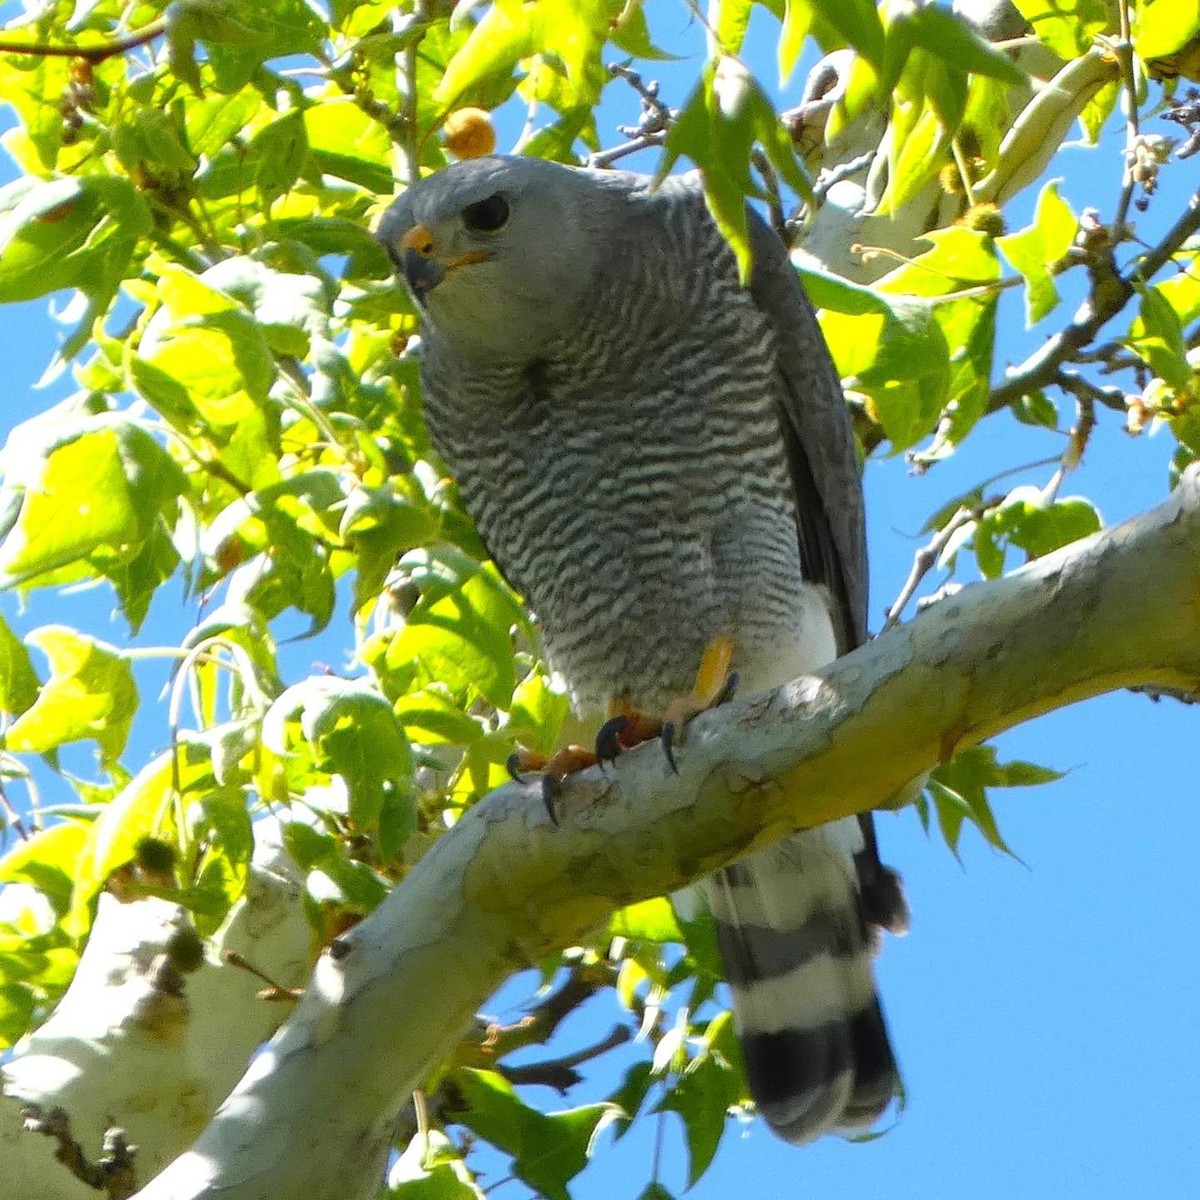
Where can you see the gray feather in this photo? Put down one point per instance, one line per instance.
(656, 455)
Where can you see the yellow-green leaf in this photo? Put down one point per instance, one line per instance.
(90, 694)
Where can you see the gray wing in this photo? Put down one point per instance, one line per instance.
(819, 439)
(830, 519)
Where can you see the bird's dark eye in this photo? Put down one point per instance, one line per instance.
(486, 216)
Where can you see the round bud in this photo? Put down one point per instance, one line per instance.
(153, 854)
(185, 950)
(985, 218)
(469, 133)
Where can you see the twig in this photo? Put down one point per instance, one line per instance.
(606, 158)
(412, 157)
(1041, 368)
(112, 1173)
(1123, 49)
(560, 1073)
(273, 990)
(656, 116)
(538, 1026)
(924, 560)
(832, 175)
(91, 54)
(964, 170)
(652, 127)
(1085, 422)
(1086, 391)
(774, 203)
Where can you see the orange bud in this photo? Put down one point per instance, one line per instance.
(469, 133)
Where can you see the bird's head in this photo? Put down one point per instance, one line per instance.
(499, 252)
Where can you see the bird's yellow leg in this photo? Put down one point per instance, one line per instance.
(712, 678)
(628, 727)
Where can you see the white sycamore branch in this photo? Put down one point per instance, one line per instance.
(313, 1117)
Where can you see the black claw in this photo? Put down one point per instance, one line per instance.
(511, 763)
(728, 688)
(549, 795)
(665, 739)
(608, 740)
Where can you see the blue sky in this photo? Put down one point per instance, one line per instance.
(1042, 1010)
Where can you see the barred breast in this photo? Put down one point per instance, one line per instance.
(632, 482)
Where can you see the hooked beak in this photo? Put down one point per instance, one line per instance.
(421, 269)
(422, 274)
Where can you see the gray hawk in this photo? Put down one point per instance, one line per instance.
(660, 459)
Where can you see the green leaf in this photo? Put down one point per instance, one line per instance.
(1036, 408)
(718, 127)
(797, 20)
(142, 808)
(1162, 27)
(91, 488)
(380, 525)
(210, 364)
(16, 1012)
(702, 1097)
(1034, 250)
(630, 33)
(242, 34)
(537, 713)
(655, 1191)
(959, 791)
(1068, 27)
(25, 84)
(212, 121)
(951, 39)
(503, 36)
(715, 130)
(431, 717)
(90, 694)
(63, 233)
(858, 22)
(565, 37)
(431, 1168)
(960, 259)
(220, 876)
(729, 20)
(49, 861)
(290, 309)
(462, 638)
(927, 106)
(345, 142)
(330, 876)
(353, 733)
(151, 140)
(895, 353)
(276, 155)
(1157, 336)
(1026, 521)
(18, 681)
(649, 920)
(548, 1149)
(631, 1095)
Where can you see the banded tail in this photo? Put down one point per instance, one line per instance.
(797, 927)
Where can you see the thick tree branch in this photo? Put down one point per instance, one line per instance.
(505, 886)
